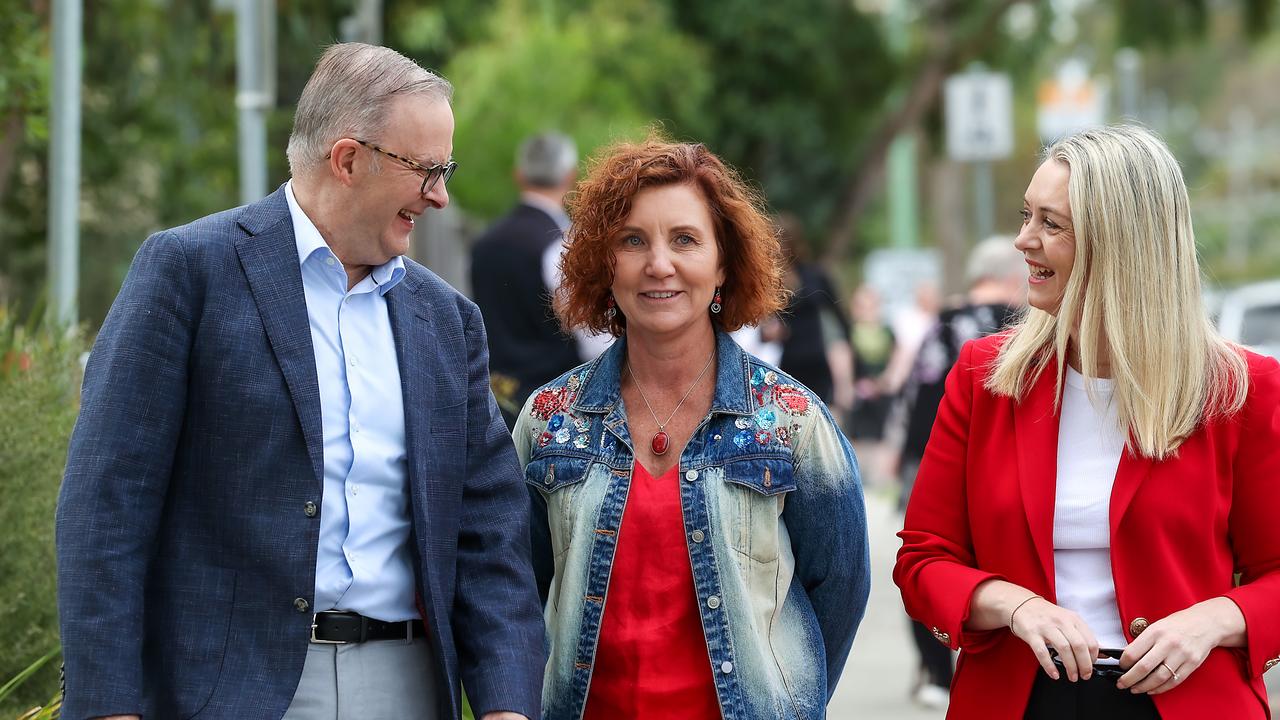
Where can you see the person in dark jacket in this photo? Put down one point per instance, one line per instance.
(527, 346)
(815, 350)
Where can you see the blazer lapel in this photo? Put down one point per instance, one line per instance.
(1133, 470)
(269, 256)
(414, 333)
(413, 330)
(1036, 430)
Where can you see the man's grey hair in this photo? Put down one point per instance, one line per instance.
(994, 259)
(349, 95)
(546, 159)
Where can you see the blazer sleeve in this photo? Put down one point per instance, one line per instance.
(936, 567)
(1255, 535)
(496, 617)
(826, 520)
(117, 475)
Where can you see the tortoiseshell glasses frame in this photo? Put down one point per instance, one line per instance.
(430, 175)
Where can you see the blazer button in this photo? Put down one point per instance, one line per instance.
(1138, 625)
(1270, 664)
(301, 605)
(309, 509)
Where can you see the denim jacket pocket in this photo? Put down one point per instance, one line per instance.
(559, 478)
(756, 490)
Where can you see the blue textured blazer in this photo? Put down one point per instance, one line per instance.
(186, 558)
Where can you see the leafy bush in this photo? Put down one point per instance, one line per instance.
(39, 398)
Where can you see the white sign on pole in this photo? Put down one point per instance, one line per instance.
(979, 113)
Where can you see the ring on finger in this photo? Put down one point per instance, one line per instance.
(1172, 672)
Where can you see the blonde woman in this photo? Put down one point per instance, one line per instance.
(1099, 475)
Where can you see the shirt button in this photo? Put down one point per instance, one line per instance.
(353, 361)
(329, 261)
(713, 602)
(697, 536)
(691, 475)
(355, 489)
(726, 667)
(309, 509)
(301, 605)
(715, 438)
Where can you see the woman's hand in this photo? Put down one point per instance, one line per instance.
(1168, 651)
(1037, 622)
(1043, 625)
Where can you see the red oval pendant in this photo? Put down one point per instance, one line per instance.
(660, 442)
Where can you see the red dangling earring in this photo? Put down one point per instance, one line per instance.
(716, 307)
(610, 311)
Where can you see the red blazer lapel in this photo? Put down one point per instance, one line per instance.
(1036, 429)
(1132, 471)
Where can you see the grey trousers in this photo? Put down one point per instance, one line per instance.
(378, 680)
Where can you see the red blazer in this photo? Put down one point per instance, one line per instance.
(983, 505)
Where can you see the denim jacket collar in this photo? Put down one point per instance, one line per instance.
(601, 388)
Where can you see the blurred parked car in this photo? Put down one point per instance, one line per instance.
(1250, 315)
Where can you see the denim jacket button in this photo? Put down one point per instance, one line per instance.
(697, 536)
(726, 667)
(691, 475)
(713, 602)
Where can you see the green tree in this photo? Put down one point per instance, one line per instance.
(600, 72)
(39, 382)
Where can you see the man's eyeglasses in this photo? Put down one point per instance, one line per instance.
(430, 175)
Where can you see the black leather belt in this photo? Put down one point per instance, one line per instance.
(333, 627)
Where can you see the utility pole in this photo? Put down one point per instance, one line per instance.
(64, 161)
(256, 90)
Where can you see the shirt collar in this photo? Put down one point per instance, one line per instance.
(310, 242)
(556, 212)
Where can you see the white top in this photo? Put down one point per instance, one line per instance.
(1090, 443)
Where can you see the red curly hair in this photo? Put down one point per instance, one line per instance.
(599, 206)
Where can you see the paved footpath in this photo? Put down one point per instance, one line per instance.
(877, 679)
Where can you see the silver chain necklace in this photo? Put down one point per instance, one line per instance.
(661, 442)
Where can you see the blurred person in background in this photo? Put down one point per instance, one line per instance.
(697, 514)
(289, 491)
(1093, 520)
(814, 336)
(513, 274)
(910, 324)
(872, 345)
(996, 274)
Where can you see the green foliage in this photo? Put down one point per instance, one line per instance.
(600, 73)
(24, 68)
(39, 384)
(797, 87)
(49, 709)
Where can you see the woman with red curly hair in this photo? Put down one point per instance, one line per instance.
(698, 526)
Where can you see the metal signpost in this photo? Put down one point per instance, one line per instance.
(979, 117)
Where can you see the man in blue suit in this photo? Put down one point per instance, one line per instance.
(290, 492)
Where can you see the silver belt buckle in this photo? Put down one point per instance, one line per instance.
(317, 640)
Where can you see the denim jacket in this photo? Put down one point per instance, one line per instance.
(774, 522)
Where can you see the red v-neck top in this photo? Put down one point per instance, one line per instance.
(651, 661)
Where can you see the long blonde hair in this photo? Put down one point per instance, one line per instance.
(1133, 296)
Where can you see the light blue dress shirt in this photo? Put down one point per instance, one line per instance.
(364, 563)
